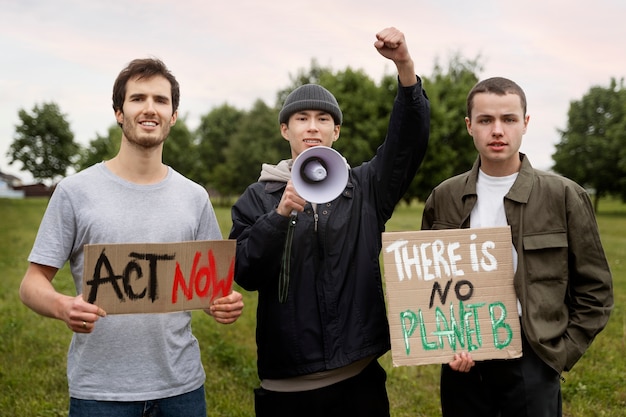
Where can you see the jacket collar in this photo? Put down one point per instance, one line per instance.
(519, 192)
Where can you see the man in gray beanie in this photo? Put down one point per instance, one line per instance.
(321, 317)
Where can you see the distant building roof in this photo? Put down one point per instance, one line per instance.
(11, 180)
(36, 190)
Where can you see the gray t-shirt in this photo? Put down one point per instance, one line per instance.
(132, 357)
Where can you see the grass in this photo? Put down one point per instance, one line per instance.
(33, 348)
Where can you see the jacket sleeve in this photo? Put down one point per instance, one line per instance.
(590, 293)
(260, 233)
(428, 213)
(396, 161)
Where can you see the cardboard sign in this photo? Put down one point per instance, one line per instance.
(450, 291)
(158, 277)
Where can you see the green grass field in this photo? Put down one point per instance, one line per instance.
(33, 348)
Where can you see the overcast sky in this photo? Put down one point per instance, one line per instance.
(70, 51)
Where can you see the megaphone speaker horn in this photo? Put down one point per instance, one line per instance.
(313, 170)
(319, 174)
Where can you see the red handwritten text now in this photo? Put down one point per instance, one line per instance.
(202, 279)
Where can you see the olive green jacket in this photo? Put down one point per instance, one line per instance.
(563, 280)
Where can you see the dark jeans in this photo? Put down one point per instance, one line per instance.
(524, 387)
(191, 404)
(362, 395)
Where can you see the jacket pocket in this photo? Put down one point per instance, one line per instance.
(441, 225)
(545, 256)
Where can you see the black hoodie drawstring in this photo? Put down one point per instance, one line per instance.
(285, 267)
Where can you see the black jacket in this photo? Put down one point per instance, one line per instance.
(335, 311)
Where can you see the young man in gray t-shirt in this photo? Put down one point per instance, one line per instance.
(125, 365)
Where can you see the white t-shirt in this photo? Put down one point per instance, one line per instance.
(132, 357)
(489, 208)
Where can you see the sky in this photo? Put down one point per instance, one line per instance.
(70, 51)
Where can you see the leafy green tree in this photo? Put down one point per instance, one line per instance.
(365, 113)
(618, 130)
(180, 151)
(450, 150)
(102, 148)
(591, 150)
(256, 140)
(214, 136)
(44, 143)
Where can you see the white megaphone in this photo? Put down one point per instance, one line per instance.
(319, 174)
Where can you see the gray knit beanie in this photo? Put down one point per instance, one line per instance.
(310, 97)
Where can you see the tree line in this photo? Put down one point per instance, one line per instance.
(225, 152)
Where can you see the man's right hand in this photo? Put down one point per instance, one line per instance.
(290, 201)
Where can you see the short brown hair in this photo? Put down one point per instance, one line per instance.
(143, 68)
(495, 85)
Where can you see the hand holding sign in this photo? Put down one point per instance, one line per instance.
(81, 317)
(227, 309)
(462, 362)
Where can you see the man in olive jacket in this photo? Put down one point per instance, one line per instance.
(562, 278)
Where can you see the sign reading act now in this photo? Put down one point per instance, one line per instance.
(158, 277)
(450, 291)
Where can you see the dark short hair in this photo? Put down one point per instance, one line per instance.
(495, 85)
(143, 69)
